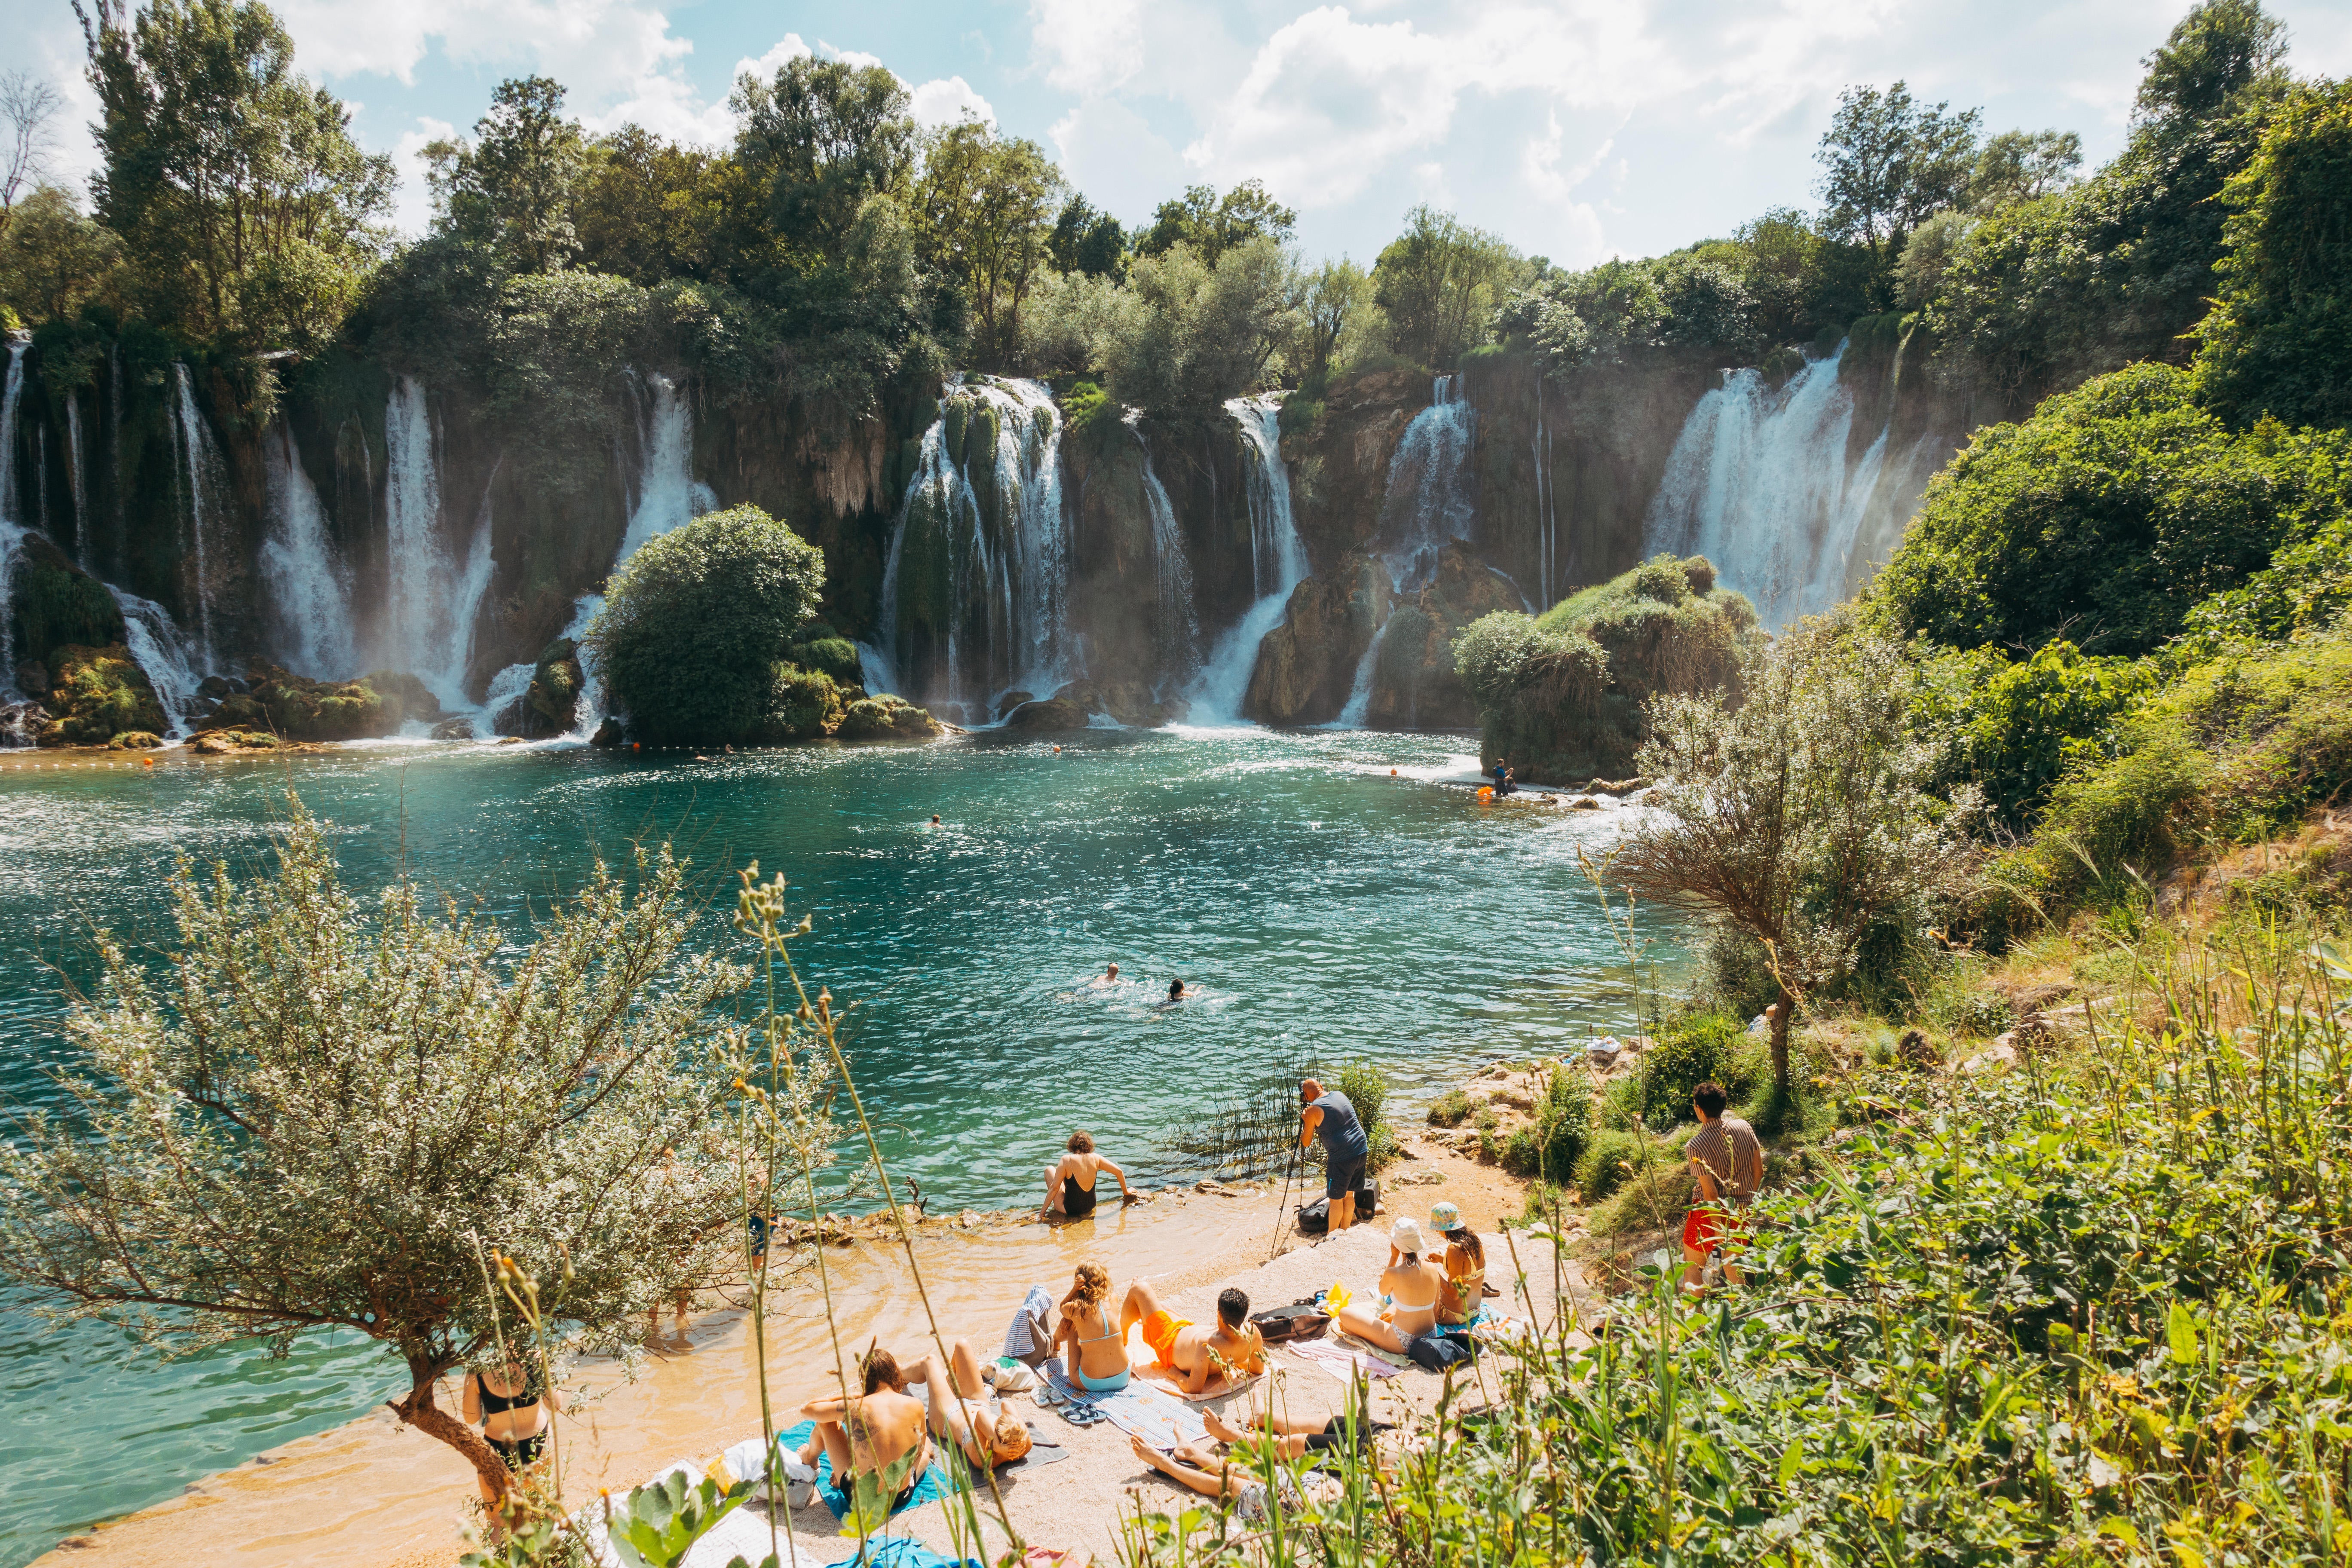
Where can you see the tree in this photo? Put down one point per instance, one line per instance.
(650, 209)
(821, 140)
(1188, 336)
(28, 112)
(2279, 340)
(694, 638)
(1087, 241)
(1795, 815)
(1212, 224)
(53, 258)
(1889, 164)
(2209, 61)
(341, 1116)
(1440, 281)
(2024, 166)
(984, 206)
(247, 210)
(1332, 295)
(511, 192)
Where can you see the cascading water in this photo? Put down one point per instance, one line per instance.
(1277, 562)
(74, 482)
(1431, 501)
(1758, 483)
(159, 650)
(667, 495)
(201, 471)
(975, 591)
(435, 598)
(1548, 577)
(1179, 631)
(309, 588)
(12, 393)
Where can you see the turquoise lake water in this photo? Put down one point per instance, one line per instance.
(1330, 912)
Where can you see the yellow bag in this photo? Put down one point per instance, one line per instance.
(1335, 1297)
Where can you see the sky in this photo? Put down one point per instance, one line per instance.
(1574, 129)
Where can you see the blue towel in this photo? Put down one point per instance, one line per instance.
(906, 1551)
(934, 1483)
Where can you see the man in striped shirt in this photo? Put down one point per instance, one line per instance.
(1727, 1162)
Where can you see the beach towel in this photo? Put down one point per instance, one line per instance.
(1340, 1361)
(904, 1551)
(1142, 1409)
(1144, 1362)
(934, 1483)
(1029, 1339)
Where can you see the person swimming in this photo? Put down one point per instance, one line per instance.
(935, 819)
(1107, 977)
(1175, 991)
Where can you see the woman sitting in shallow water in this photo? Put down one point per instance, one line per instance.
(1070, 1185)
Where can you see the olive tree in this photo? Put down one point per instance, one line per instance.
(327, 1114)
(1796, 814)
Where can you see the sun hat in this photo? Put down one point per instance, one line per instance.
(1445, 1219)
(1405, 1236)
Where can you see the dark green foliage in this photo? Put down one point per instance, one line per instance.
(2279, 341)
(509, 193)
(1549, 1149)
(2105, 518)
(1440, 281)
(1088, 240)
(1451, 1109)
(96, 694)
(802, 704)
(1560, 696)
(833, 656)
(55, 258)
(824, 138)
(2307, 588)
(885, 718)
(53, 603)
(693, 638)
(1690, 1050)
(294, 708)
(1613, 1157)
(1889, 164)
(2017, 727)
(1212, 225)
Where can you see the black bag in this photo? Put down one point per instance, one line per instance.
(1301, 1321)
(1315, 1218)
(1435, 1353)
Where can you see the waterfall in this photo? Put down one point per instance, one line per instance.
(82, 551)
(1178, 630)
(11, 396)
(1357, 707)
(435, 598)
(1277, 562)
(309, 588)
(1431, 500)
(12, 540)
(975, 590)
(200, 461)
(159, 651)
(667, 495)
(1758, 483)
(1548, 579)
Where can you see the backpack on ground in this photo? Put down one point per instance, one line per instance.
(1301, 1321)
(1435, 1353)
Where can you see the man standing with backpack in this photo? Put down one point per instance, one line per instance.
(1328, 1116)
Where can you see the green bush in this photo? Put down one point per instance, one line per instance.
(1621, 1103)
(692, 639)
(885, 716)
(2018, 728)
(1689, 1051)
(836, 657)
(1613, 1157)
(1451, 1109)
(1367, 1089)
(1549, 1147)
(2106, 517)
(802, 704)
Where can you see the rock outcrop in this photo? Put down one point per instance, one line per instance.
(1306, 666)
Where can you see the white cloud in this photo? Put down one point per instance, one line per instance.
(1112, 154)
(1087, 47)
(788, 49)
(413, 207)
(948, 101)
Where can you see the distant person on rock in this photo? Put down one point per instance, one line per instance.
(1328, 1115)
(1070, 1183)
(1726, 1161)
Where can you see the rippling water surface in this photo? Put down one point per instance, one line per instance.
(1328, 910)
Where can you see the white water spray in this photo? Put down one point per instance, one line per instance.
(1277, 562)
(11, 395)
(434, 597)
(201, 469)
(308, 585)
(82, 551)
(159, 652)
(1758, 483)
(1178, 630)
(1431, 501)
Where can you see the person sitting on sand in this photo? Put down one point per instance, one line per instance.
(1070, 1185)
(1409, 1289)
(868, 1434)
(1234, 1348)
(1464, 1264)
(1098, 1352)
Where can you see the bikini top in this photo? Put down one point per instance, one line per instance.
(1403, 1306)
(1108, 1332)
(498, 1404)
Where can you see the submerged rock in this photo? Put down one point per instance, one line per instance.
(1052, 713)
(136, 741)
(296, 708)
(454, 730)
(551, 707)
(608, 734)
(230, 743)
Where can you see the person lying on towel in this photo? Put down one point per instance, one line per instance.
(1233, 1347)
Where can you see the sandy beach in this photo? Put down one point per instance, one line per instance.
(373, 1495)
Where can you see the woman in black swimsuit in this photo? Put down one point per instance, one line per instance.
(1070, 1185)
(514, 1414)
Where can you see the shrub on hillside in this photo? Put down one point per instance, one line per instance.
(2105, 518)
(693, 638)
(2014, 729)
(1689, 1051)
(1611, 1158)
(1548, 1148)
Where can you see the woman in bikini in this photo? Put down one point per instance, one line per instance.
(1409, 1288)
(1465, 1267)
(506, 1400)
(1098, 1352)
(1070, 1185)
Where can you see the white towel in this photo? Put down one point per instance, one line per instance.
(1029, 1339)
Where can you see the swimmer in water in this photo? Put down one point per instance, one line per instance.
(1108, 976)
(1175, 991)
(935, 819)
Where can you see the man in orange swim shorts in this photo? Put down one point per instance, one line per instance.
(1189, 1351)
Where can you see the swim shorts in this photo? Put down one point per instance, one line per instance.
(1160, 1334)
(1342, 1177)
(1706, 1227)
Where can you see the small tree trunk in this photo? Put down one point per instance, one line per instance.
(1778, 1013)
(419, 1411)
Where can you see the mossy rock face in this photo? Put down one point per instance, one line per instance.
(96, 694)
(556, 683)
(804, 705)
(295, 708)
(54, 604)
(888, 717)
(136, 741)
(416, 699)
(232, 742)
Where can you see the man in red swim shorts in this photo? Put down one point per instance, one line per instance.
(1727, 1162)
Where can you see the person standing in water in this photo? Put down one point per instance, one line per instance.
(1328, 1115)
(1070, 1185)
(935, 819)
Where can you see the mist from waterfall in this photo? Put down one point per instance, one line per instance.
(204, 475)
(1277, 563)
(309, 587)
(980, 555)
(1431, 500)
(1178, 629)
(1758, 483)
(433, 595)
(669, 495)
(161, 653)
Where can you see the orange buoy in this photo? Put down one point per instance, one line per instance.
(149, 761)
(1485, 793)
(1392, 772)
